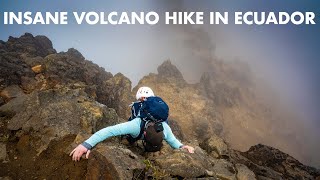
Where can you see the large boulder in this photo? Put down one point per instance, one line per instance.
(71, 67)
(114, 162)
(244, 173)
(216, 147)
(224, 169)
(11, 92)
(119, 94)
(56, 113)
(179, 163)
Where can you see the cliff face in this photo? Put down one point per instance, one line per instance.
(50, 102)
(31, 63)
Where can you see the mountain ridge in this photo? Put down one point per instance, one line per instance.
(51, 101)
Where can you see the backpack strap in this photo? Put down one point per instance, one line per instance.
(135, 109)
(142, 125)
(142, 128)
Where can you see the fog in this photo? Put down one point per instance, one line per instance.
(275, 60)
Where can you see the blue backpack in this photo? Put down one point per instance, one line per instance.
(153, 111)
(153, 108)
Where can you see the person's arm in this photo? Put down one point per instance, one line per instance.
(130, 127)
(172, 140)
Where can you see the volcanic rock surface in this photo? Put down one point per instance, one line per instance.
(50, 102)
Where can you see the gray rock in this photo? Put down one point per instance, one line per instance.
(224, 170)
(168, 70)
(15, 105)
(11, 92)
(260, 171)
(54, 114)
(33, 61)
(3, 152)
(244, 173)
(119, 94)
(183, 164)
(28, 84)
(113, 162)
(33, 46)
(216, 146)
(282, 163)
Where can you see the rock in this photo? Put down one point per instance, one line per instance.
(15, 105)
(5, 178)
(224, 169)
(184, 164)
(244, 173)
(23, 145)
(52, 97)
(167, 70)
(73, 53)
(70, 67)
(28, 84)
(37, 69)
(54, 114)
(3, 152)
(216, 146)
(118, 94)
(280, 162)
(261, 172)
(1, 101)
(33, 61)
(24, 58)
(33, 46)
(11, 92)
(46, 44)
(113, 162)
(12, 68)
(276, 168)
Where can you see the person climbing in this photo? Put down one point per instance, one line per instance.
(148, 123)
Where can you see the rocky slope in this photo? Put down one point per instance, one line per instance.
(50, 102)
(225, 102)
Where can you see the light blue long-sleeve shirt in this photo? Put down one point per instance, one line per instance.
(133, 128)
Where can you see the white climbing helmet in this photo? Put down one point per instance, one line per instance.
(144, 92)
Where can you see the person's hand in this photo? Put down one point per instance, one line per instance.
(78, 152)
(189, 148)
